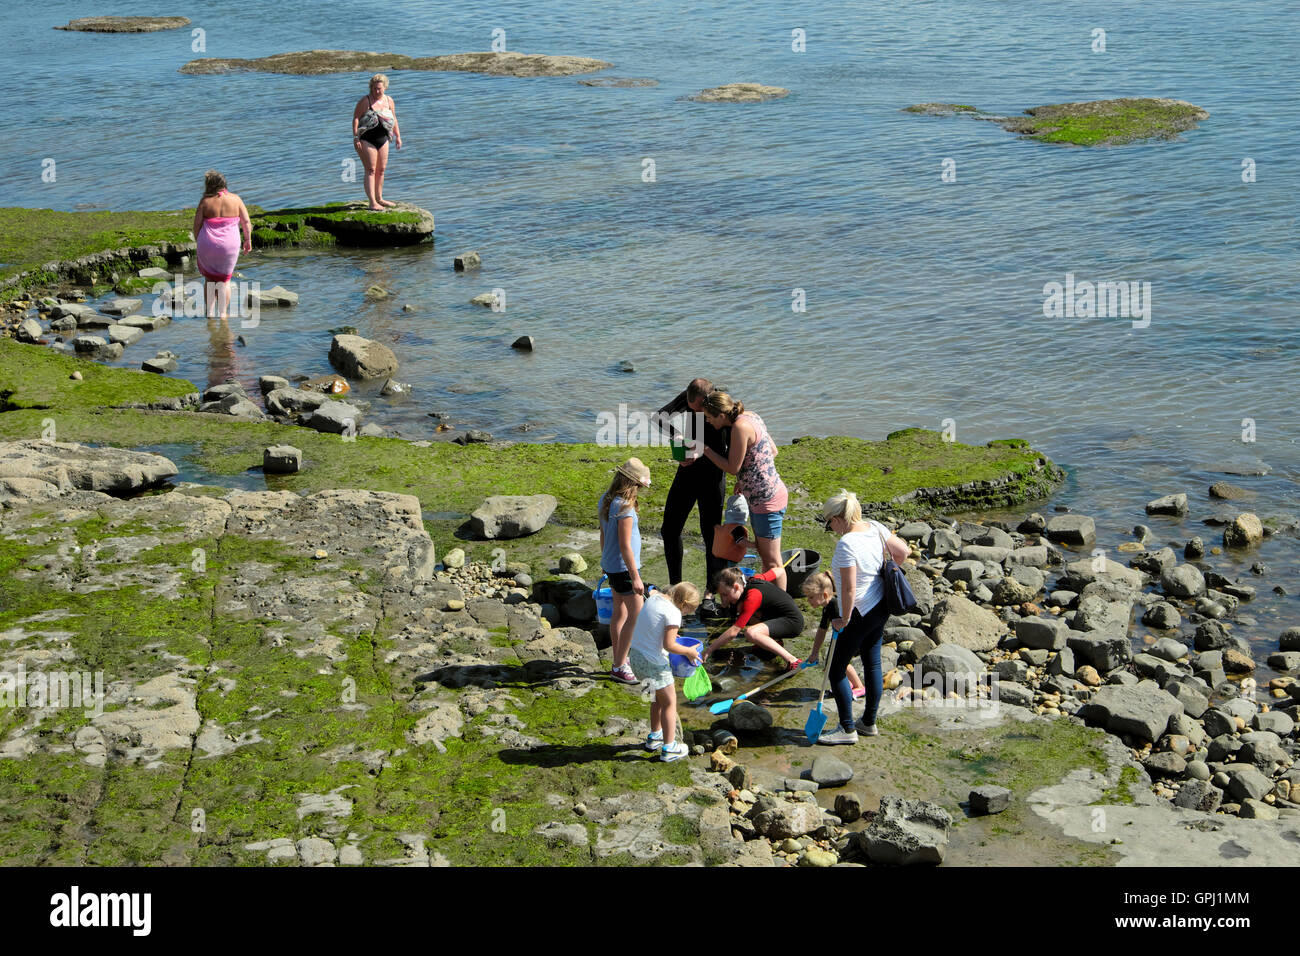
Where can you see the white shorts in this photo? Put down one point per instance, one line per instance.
(655, 671)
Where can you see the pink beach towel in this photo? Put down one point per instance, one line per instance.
(218, 247)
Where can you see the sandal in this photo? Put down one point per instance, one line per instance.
(859, 692)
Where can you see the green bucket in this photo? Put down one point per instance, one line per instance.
(679, 450)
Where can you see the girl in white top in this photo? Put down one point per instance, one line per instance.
(856, 566)
(654, 637)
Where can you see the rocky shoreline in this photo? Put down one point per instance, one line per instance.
(1011, 629)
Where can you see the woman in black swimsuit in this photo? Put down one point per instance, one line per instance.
(374, 121)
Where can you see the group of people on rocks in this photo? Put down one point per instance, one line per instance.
(644, 628)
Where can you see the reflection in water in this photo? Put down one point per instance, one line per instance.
(223, 364)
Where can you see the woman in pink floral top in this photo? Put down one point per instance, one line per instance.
(752, 461)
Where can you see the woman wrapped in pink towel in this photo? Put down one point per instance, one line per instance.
(218, 221)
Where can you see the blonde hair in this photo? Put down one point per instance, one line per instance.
(728, 577)
(623, 487)
(683, 594)
(720, 403)
(380, 78)
(843, 505)
(213, 183)
(819, 583)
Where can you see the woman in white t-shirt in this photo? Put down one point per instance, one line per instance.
(855, 566)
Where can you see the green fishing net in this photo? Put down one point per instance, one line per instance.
(698, 684)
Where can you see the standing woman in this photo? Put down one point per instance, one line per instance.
(751, 458)
(620, 558)
(218, 220)
(374, 122)
(859, 557)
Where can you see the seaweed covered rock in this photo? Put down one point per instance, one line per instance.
(316, 62)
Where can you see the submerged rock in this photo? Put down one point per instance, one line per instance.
(316, 62)
(1088, 123)
(125, 24)
(740, 93)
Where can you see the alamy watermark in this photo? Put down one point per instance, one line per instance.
(189, 299)
(1087, 300)
(53, 690)
(638, 429)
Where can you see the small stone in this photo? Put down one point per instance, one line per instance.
(320, 554)
(455, 558)
(1245, 531)
(281, 460)
(989, 799)
(524, 343)
(848, 807)
(819, 858)
(626, 366)
(720, 762)
(75, 376)
(572, 563)
(376, 292)
(466, 261)
(454, 604)
(830, 771)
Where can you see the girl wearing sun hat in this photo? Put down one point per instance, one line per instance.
(620, 558)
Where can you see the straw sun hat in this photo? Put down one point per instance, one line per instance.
(634, 468)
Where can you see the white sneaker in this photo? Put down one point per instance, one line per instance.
(837, 736)
(655, 741)
(674, 751)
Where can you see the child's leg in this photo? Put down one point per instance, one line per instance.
(620, 645)
(656, 715)
(854, 679)
(666, 698)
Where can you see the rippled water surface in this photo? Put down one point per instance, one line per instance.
(924, 298)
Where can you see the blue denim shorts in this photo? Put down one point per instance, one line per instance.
(767, 525)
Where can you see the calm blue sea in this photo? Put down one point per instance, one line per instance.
(924, 297)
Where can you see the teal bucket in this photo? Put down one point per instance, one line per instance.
(604, 602)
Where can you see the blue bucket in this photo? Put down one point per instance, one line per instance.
(681, 667)
(604, 602)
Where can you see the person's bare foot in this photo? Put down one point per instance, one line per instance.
(377, 208)
(387, 202)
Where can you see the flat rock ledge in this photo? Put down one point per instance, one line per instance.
(740, 93)
(1088, 123)
(37, 470)
(316, 62)
(350, 223)
(125, 24)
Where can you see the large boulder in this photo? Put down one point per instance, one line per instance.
(1141, 710)
(906, 832)
(950, 667)
(358, 357)
(960, 621)
(1079, 574)
(511, 516)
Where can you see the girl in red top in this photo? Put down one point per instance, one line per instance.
(765, 614)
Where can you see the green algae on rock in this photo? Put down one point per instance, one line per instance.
(317, 62)
(125, 24)
(1090, 123)
(45, 247)
(740, 93)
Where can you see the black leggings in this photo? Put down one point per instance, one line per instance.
(688, 491)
